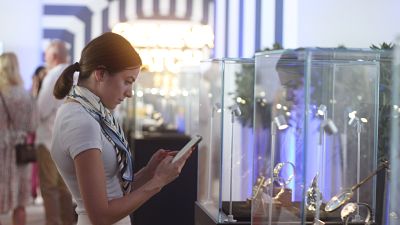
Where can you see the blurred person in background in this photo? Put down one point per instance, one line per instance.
(15, 108)
(57, 199)
(37, 79)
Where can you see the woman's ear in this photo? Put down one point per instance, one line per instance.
(99, 74)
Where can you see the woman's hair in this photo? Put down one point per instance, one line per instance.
(38, 70)
(9, 70)
(290, 67)
(109, 51)
(38, 77)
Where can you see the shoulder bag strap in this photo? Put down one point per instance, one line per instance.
(9, 120)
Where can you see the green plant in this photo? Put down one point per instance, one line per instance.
(385, 92)
(383, 46)
(245, 94)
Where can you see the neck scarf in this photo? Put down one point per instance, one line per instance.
(111, 129)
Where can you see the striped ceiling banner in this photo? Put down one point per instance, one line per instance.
(77, 22)
(241, 27)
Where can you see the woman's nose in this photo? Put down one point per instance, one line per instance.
(128, 93)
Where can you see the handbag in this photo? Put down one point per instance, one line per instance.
(25, 152)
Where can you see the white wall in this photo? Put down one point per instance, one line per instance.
(354, 23)
(20, 32)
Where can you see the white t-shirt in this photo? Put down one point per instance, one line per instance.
(75, 131)
(47, 106)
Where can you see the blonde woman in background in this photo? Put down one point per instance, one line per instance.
(16, 102)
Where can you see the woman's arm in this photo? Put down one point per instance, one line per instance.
(92, 185)
(141, 177)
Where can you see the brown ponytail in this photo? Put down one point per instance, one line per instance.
(109, 50)
(65, 81)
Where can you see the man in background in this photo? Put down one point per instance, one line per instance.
(56, 197)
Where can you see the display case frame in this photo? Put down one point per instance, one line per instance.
(393, 214)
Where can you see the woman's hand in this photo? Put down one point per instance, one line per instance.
(167, 171)
(156, 159)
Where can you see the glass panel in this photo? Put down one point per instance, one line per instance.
(165, 104)
(225, 156)
(189, 80)
(316, 120)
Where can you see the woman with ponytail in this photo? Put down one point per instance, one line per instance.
(89, 146)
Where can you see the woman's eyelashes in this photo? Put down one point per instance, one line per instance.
(129, 82)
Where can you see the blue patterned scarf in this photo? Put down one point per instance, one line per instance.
(111, 129)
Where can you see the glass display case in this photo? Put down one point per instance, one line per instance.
(394, 202)
(163, 104)
(316, 136)
(226, 152)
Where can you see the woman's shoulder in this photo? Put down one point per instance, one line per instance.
(75, 129)
(74, 113)
(73, 120)
(74, 110)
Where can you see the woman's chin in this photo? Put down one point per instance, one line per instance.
(111, 107)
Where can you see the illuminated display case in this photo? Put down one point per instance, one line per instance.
(394, 210)
(225, 153)
(316, 136)
(163, 104)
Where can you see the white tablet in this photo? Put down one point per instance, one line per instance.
(193, 142)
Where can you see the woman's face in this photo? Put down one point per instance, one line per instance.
(115, 88)
(295, 92)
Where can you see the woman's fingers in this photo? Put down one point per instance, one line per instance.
(172, 153)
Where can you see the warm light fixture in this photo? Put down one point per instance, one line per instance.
(168, 45)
